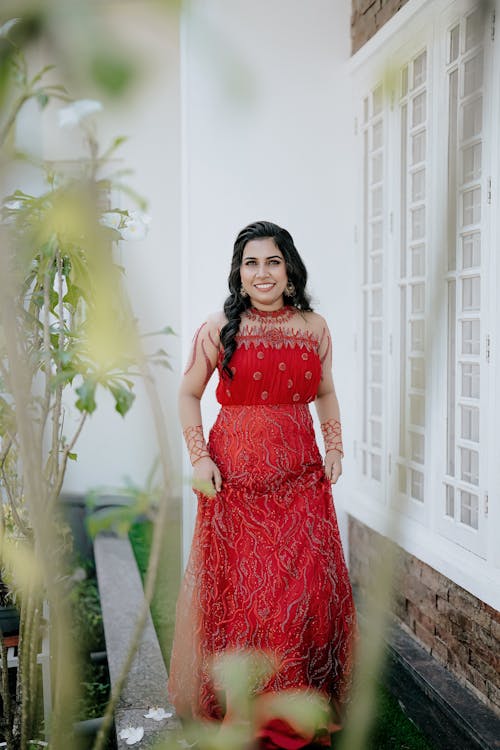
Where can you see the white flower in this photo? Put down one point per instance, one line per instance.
(111, 219)
(158, 714)
(73, 114)
(4, 30)
(136, 226)
(13, 205)
(132, 735)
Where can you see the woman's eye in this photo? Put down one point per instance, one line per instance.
(250, 263)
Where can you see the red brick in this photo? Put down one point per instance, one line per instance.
(423, 635)
(440, 650)
(476, 679)
(493, 613)
(435, 581)
(419, 616)
(486, 669)
(468, 605)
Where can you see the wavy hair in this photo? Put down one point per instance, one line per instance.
(235, 304)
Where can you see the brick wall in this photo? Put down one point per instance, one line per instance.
(368, 16)
(459, 630)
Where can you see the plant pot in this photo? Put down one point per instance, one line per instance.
(9, 621)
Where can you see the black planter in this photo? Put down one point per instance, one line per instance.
(9, 621)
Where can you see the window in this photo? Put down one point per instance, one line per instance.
(427, 247)
(411, 274)
(373, 231)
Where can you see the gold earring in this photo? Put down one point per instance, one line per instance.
(243, 293)
(290, 290)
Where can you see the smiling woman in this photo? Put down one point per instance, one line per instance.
(266, 572)
(263, 274)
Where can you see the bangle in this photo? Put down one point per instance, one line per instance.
(332, 435)
(195, 442)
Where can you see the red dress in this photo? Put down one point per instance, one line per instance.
(266, 570)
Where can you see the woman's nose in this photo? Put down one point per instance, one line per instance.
(261, 270)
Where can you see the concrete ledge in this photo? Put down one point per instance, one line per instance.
(448, 714)
(122, 594)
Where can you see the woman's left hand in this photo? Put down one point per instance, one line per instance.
(333, 465)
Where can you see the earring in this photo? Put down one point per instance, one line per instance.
(290, 290)
(243, 293)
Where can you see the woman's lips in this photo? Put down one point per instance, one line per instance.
(264, 287)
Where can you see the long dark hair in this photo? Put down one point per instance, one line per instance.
(235, 304)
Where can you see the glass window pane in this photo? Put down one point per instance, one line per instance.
(376, 342)
(376, 196)
(376, 467)
(376, 302)
(376, 231)
(450, 501)
(471, 203)
(471, 162)
(376, 405)
(473, 30)
(417, 372)
(419, 69)
(418, 185)
(473, 74)
(376, 369)
(471, 250)
(418, 260)
(376, 268)
(472, 118)
(402, 478)
(377, 135)
(470, 423)
(417, 410)
(418, 147)
(417, 335)
(366, 109)
(454, 44)
(470, 337)
(376, 430)
(469, 465)
(417, 447)
(417, 485)
(376, 167)
(417, 298)
(469, 509)
(470, 380)
(418, 223)
(471, 293)
(418, 109)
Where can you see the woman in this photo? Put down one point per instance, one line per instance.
(266, 570)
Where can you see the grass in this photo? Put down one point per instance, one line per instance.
(392, 729)
(167, 585)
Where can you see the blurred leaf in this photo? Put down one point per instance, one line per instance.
(112, 73)
(86, 392)
(42, 99)
(124, 398)
(116, 143)
(72, 456)
(41, 74)
(168, 331)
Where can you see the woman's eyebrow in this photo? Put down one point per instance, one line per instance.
(269, 257)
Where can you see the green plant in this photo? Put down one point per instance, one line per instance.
(66, 332)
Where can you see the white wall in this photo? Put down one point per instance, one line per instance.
(267, 132)
(111, 447)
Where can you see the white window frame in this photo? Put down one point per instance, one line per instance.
(419, 24)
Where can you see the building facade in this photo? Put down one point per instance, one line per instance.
(426, 112)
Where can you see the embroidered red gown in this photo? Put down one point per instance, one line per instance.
(266, 569)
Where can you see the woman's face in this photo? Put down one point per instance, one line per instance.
(263, 274)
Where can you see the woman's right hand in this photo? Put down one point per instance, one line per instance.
(206, 477)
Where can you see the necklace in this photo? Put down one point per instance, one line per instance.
(283, 313)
